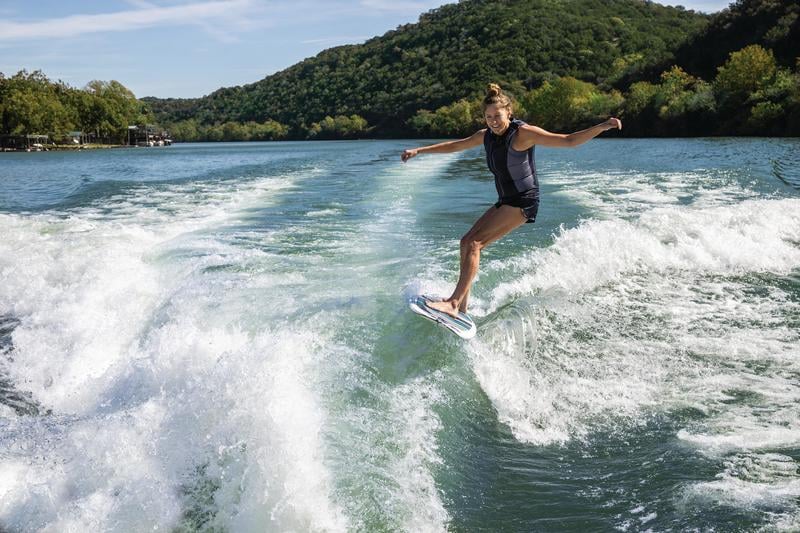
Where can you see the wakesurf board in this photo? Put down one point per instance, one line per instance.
(463, 326)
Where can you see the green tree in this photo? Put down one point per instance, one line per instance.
(683, 103)
(745, 72)
(338, 127)
(271, 130)
(113, 109)
(674, 93)
(213, 133)
(184, 131)
(756, 95)
(31, 105)
(568, 103)
(233, 131)
(458, 119)
(640, 97)
(773, 105)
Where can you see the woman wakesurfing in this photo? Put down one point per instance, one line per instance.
(509, 145)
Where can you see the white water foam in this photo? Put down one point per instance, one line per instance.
(150, 391)
(85, 285)
(628, 194)
(422, 508)
(600, 279)
(766, 482)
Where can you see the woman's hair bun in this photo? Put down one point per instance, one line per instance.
(493, 90)
(496, 96)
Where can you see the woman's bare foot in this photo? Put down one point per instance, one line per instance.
(449, 307)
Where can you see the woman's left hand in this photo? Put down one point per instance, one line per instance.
(612, 123)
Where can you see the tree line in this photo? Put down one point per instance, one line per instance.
(750, 95)
(336, 127)
(32, 104)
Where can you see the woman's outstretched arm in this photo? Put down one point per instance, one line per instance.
(476, 139)
(531, 135)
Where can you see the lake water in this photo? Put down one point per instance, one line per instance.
(215, 337)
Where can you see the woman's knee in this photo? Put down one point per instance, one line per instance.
(466, 240)
(471, 244)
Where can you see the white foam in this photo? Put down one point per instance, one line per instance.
(277, 476)
(738, 428)
(754, 482)
(84, 284)
(678, 266)
(631, 193)
(754, 236)
(419, 505)
(150, 390)
(243, 405)
(88, 474)
(323, 213)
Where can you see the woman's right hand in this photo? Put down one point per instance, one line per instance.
(408, 154)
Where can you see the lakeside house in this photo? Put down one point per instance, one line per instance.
(148, 135)
(139, 135)
(27, 143)
(79, 137)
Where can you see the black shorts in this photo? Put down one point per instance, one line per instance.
(528, 204)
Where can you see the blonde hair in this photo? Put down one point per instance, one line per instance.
(496, 96)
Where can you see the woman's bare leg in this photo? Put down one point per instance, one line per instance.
(493, 225)
(478, 224)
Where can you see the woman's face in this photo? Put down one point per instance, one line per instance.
(497, 118)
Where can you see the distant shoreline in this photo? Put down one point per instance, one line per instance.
(92, 147)
(66, 148)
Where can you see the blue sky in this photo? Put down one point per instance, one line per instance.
(188, 48)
